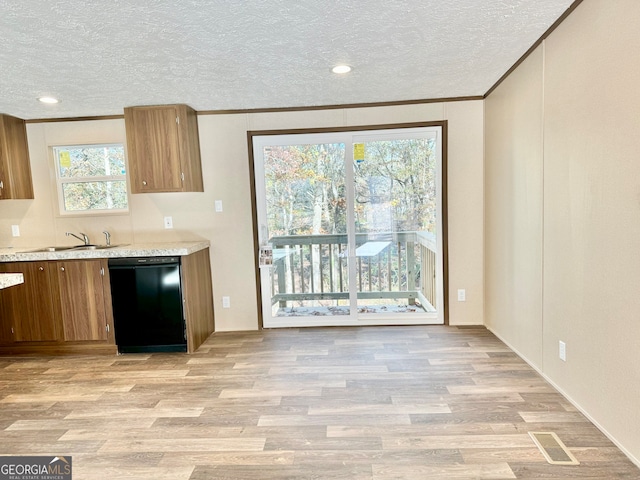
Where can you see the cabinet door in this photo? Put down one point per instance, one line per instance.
(15, 170)
(81, 289)
(30, 306)
(7, 301)
(153, 149)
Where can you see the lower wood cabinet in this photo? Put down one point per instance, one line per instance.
(198, 298)
(81, 292)
(62, 305)
(28, 309)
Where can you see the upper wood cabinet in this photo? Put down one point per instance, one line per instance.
(163, 149)
(15, 171)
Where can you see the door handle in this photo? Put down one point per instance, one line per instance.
(266, 256)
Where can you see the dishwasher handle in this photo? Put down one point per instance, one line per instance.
(128, 262)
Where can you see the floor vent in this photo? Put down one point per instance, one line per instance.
(553, 449)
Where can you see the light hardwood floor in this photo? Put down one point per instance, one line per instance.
(320, 403)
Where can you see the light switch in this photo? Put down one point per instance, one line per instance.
(168, 222)
(15, 230)
(218, 205)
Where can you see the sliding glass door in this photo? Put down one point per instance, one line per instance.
(350, 227)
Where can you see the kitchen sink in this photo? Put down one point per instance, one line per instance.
(75, 247)
(52, 249)
(88, 247)
(98, 247)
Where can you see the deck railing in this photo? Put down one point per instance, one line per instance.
(398, 265)
(428, 266)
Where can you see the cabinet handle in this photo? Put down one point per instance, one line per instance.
(1, 184)
(62, 269)
(41, 269)
(144, 183)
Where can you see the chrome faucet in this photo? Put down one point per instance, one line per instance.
(84, 238)
(108, 237)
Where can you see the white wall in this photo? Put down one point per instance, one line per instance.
(225, 162)
(563, 213)
(513, 209)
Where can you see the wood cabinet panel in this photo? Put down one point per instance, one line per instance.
(163, 149)
(7, 301)
(153, 147)
(15, 169)
(190, 149)
(81, 291)
(31, 307)
(198, 298)
(43, 323)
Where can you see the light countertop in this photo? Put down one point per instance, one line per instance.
(10, 279)
(160, 249)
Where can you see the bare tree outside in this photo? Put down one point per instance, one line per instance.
(395, 188)
(92, 177)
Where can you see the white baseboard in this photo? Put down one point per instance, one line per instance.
(570, 400)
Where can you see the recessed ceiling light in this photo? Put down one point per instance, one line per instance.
(48, 100)
(341, 69)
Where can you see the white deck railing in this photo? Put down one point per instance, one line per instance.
(397, 265)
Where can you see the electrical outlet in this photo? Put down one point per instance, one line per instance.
(218, 205)
(168, 222)
(226, 302)
(15, 230)
(562, 351)
(462, 295)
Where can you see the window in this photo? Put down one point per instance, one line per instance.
(91, 179)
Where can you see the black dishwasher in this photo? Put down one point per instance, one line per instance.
(147, 304)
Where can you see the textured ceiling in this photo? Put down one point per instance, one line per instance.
(101, 56)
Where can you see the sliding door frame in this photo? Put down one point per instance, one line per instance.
(444, 207)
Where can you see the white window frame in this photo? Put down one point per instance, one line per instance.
(60, 182)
